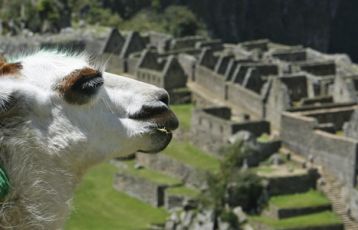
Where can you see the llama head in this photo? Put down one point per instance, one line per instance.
(71, 111)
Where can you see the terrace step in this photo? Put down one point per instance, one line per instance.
(153, 187)
(332, 190)
(327, 221)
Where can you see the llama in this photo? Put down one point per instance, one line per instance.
(59, 115)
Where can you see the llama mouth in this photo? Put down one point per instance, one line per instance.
(160, 132)
(164, 130)
(165, 119)
(160, 139)
(166, 122)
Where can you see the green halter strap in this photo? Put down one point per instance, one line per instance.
(4, 183)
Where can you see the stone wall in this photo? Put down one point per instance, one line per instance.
(173, 74)
(221, 112)
(279, 213)
(246, 99)
(344, 89)
(320, 68)
(337, 154)
(180, 96)
(186, 42)
(257, 128)
(260, 226)
(278, 100)
(291, 55)
(212, 44)
(353, 203)
(210, 131)
(114, 63)
(290, 184)
(207, 58)
(336, 116)
(297, 86)
(170, 166)
(140, 188)
(150, 76)
(131, 64)
(211, 81)
(188, 63)
(201, 102)
(176, 201)
(351, 127)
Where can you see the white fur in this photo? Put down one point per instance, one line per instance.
(46, 144)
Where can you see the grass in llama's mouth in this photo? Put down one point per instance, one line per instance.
(163, 130)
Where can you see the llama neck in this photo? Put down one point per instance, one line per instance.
(40, 190)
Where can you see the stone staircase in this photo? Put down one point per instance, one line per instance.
(332, 189)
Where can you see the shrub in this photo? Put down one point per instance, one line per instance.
(235, 155)
(245, 191)
(232, 186)
(103, 17)
(231, 218)
(180, 21)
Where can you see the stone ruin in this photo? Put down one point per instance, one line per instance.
(309, 97)
(258, 86)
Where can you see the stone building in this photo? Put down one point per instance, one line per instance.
(328, 136)
(211, 128)
(95, 41)
(346, 88)
(264, 79)
(164, 72)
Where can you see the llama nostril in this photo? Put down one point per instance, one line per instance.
(164, 97)
(148, 111)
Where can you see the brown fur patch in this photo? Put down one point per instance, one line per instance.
(9, 68)
(2, 60)
(74, 76)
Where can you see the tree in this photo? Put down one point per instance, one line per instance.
(232, 186)
(180, 21)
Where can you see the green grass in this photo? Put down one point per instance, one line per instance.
(150, 175)
(263, 169)
(340, 133)
(183, 113)
(316, 219)
(264, 138)
(311, 198)
(99, 206)
(187, 153)
(183, 191)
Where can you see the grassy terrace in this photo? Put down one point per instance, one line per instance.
(263, 169)
(311, 198)
(184, 151)
(317, 219)
(264, 138)
(150, 175)
(99, 206)
(183, 113)
(183, 191)
(187, 153)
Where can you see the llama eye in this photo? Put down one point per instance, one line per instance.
(88, 85)
(80, 85)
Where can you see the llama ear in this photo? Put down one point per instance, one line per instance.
(7, 103)
(2, 60)
(9, 68)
